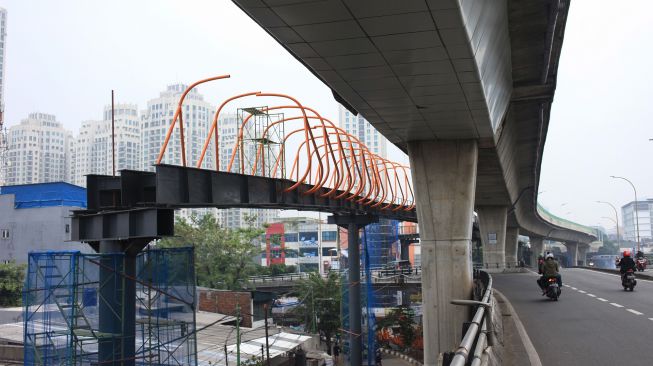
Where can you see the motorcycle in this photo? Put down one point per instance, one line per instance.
(552, 289)
(641, 264)
(628, 280)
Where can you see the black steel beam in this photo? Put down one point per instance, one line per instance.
(139, 223)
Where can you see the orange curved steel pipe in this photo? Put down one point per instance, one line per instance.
(178, 114)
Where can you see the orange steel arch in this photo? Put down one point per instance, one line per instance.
(179, 114)
(340, 162)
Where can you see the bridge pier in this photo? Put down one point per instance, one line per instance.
(512, 245)
(582, 253)
(572, 253)
(353, 223)
(492, 222)
(537, 246)
(444, 178)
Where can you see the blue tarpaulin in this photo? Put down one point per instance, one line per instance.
(46, 195)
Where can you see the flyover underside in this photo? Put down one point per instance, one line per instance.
(173, 187)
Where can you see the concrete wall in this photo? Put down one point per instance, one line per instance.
(35, 229)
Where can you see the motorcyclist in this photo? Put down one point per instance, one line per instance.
(550, 268)
(540, 263)
(639, 255)
(626, 263)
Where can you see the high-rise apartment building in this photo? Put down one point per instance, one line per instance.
(197, 118)
(94, 146)
(629, 217)
(363, 130)
(39, 151)
(3, 136)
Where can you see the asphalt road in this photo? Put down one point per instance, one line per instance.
(595, 322)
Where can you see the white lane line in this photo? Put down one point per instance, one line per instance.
(617, 305)
(602, 299)
(634, 311)
(591, 295)
(650, 319)
(582, 292)
(566, 285)
(573, 288)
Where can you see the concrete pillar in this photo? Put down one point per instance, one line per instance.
(444, 179)
(512, 235)
(572, 253)
(537, 246)
(492, 225)
(582, 253)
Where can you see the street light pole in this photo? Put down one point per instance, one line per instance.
(636, 213)
(616, 220)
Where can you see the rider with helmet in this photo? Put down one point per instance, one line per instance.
(626, 263)
(550, 268)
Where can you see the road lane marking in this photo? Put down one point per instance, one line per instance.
(650, 319)
(591, 295)
(617, 305)
(566, 285)
(634, 311)
(582, 292)
(602, 299)
(573, 288)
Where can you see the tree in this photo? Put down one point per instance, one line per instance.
(320, 306)
(223, 257)
(12, 276)
(401, 320)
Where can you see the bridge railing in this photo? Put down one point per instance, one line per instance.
(378, 274)
(477, 333)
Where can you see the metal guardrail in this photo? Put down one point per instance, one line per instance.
(378, 274)
(477, 333)
(496, 265)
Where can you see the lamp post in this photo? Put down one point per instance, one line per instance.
(616, 220)
(636, 213)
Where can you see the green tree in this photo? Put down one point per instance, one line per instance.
(320, 304)
(223, 257)
(12, 276)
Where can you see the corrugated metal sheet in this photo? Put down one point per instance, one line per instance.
(46, 195)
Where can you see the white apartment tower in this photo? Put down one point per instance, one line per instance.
(197, 119)
(361, 128)
(94, 145)
(3, 137)
(39, 151)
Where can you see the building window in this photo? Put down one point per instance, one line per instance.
(329, 235)
(67, 228)
(4, 233)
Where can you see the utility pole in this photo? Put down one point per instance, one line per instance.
(237, 334)
(616, 220)
(636, 210)
(267, 344)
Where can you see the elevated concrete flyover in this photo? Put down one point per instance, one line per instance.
(465, 88)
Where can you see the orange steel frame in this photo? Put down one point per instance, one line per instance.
(339, 161)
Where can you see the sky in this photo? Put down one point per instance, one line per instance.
(64, 57)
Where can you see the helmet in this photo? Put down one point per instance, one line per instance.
(626, 253)
(549, 255)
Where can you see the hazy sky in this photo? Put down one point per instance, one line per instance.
(65, 56)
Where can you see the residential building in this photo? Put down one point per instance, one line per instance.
(3, 134)
(94, 144)
(39, 151)
(37, 217)
(363, 130)
(310, 244)
(197, 118)
(644, 213)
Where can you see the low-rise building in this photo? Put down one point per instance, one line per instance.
(37, 217)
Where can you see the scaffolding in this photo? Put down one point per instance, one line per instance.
(261, 145)
(65, 294)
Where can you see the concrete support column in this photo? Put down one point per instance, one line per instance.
(582, 254)
(572, 253)
(492, 225)
(537, 247)
(444, 179)
(512, 236)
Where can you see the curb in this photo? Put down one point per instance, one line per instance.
(533, 357)
(410, 360)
